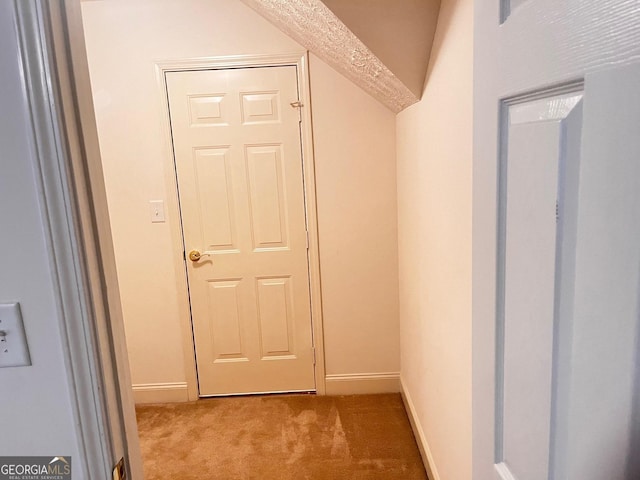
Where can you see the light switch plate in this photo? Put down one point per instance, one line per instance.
(157, 211)
(14, 351)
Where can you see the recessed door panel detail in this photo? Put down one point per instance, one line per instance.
(212, 171)
(275, 317)
(266, 191)
(207, 110)
(260, 107)
(225, 320)
(535, 157)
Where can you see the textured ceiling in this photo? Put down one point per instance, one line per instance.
(389, 61)
(398, 32)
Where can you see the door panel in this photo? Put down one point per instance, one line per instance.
(268, 207)
(224, 314)
(529, 288)
(240, 179)
(602, 411)
(275, 314)
(556, 286)
(534, 156)
(212, 171)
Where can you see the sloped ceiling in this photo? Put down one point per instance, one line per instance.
(381, 45)
(398, 32)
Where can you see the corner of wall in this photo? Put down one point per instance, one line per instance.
(418, 432)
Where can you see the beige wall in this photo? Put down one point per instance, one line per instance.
(355, 175)
(434, 153)
(355, 163)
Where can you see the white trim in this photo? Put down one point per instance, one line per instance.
(421, 439)
(308, 164)
(362, 383)
(75, 308)
(73, 206)
(503, 471)
(228, 61)
(173, 210)
(160, 392)
(300, 61)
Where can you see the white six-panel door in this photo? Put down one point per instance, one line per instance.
(556, 240)
(238, 158)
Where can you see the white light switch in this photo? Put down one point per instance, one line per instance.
(157, 211)
(14, 351)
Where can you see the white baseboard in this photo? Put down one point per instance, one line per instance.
(421, 440)
(361, 383)
(160, 392)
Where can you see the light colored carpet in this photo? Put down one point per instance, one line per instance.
(280, 437)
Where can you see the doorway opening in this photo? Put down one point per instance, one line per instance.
(239, 170)
(239, 204)
(238, 207)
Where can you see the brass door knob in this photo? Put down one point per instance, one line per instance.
(195, 255)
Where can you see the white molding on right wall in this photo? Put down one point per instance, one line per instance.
(175, 392)
(421, 439)
(362, 383)
(312, 24)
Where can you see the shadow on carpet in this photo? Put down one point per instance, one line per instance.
(280, 437)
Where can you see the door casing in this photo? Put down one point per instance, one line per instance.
(75, 217)
(301, 61)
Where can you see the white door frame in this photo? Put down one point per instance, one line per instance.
(301, 61)
(76, 223)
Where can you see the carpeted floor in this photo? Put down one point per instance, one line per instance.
(280, 437)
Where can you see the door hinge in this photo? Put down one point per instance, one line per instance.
(298, 104)
(119, 472)
(313, 354)
(557, 211)
(307, 239)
